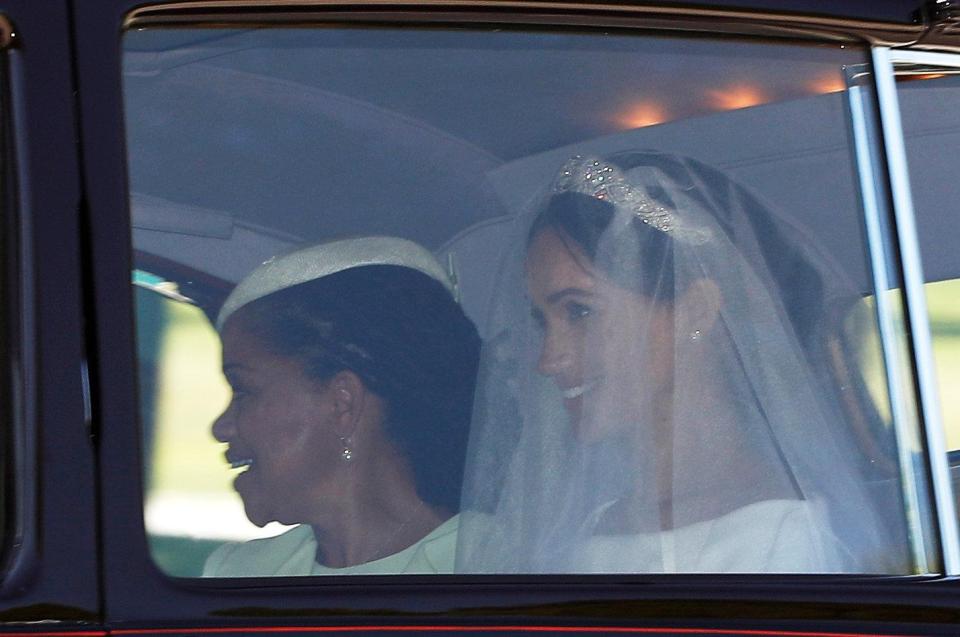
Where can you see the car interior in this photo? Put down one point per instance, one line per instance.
(244, 145)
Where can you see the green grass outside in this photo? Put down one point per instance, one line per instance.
(191, 394)
(180, 556)
(943, 304)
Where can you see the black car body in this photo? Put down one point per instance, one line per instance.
(78, 148)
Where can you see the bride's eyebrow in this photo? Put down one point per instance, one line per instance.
(565, 292)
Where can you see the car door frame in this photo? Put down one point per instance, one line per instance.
(138, 598)
(51, 563)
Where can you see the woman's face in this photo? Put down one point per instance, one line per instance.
(609, 350)
(280, 432)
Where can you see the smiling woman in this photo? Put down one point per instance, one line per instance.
(570, 301)
(693, 418)
(352, 370)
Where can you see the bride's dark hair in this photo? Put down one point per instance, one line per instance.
(817, 297)
(581, 220)
(797, 272)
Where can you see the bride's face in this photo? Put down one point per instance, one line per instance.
(609, 350)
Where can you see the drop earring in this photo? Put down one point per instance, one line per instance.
(347, 454)
(695, 335)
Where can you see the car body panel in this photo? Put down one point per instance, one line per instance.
(86, 568)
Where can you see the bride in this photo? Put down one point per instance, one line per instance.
(663, 391)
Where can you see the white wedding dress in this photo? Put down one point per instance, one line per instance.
(783, 536)
(661, 336)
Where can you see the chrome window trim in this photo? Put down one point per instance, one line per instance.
(883, 63)
(880, 240)
(924, 58)
(930, 31)
(251, 13)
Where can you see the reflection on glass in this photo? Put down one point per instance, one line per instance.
(931, 143)
(246, 145)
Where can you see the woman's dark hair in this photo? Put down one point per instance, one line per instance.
(582, 220)
(810, 286)
(404, 335)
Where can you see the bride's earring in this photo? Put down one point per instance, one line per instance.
(347, 454)
(695, 335)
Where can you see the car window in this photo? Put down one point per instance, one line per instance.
(935, 195)
(487, 301)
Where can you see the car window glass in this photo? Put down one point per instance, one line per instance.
(495, 301)
(929, 140)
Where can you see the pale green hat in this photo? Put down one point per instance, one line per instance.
(324, 259)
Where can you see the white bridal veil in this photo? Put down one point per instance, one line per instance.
(667, 388)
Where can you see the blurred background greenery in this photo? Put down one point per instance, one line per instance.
(943, 304)
(190, 505)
